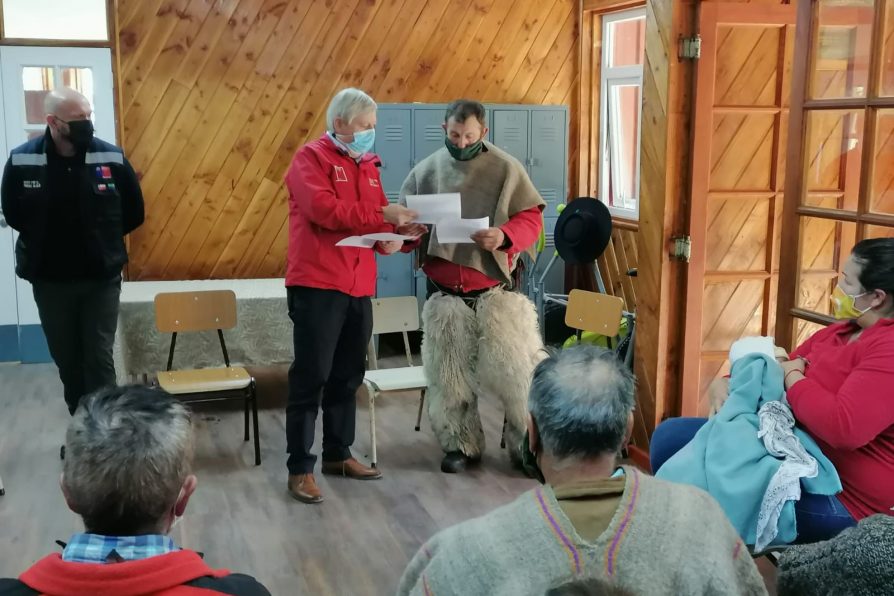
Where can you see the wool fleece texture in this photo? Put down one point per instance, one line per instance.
(467, 353)
(857, 562)
(664, 538)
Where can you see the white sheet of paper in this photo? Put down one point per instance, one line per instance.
(457, 231)
(356, 242)
(387, 237)
(433, 209)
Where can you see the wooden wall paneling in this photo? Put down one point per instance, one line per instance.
(212, 132)
(221, 123)
(198, 252)
(167, 173)
(510, 46)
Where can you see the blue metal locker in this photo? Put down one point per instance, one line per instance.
(511, 132)
(394, 147)
(548, 156)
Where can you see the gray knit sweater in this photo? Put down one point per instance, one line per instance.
(664, 538)
(857, 562)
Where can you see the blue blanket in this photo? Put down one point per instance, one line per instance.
(728, 460)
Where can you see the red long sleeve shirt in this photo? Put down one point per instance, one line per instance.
(522, 230)
(846, 403)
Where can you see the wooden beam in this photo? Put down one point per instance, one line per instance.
(789, 268)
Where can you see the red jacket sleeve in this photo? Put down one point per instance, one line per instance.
(860, 410)
(314, 194)
(523, 230)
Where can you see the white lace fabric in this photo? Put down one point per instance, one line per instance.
(776, 431)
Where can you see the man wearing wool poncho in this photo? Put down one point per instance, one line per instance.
(480, 337)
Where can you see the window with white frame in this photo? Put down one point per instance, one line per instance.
(621, 98)
(80, 20)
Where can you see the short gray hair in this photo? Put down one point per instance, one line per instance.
(347, 105)
(55, 98)
(128, 451)
(581, 399)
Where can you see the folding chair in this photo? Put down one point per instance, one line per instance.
(393, 315)
(593, 312)
(185, 312)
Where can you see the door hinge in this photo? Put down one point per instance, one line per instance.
(690, 48)
(682, 248)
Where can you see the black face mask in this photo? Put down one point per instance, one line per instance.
(529, 461)
(466, 153)
(80, 133)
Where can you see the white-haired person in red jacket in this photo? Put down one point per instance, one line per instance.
(334, 192)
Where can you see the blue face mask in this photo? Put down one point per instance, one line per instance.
(363, 141)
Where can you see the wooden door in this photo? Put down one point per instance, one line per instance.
(841, 156)
(739, 122)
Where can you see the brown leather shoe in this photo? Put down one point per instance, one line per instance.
(304, 488)
(351, 468)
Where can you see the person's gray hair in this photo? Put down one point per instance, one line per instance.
(128, 451)
(55, 98)
(347, 105)
(581, 399)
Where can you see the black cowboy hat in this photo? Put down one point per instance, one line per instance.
(583, 230)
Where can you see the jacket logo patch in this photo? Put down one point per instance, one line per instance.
(374, 182)
(340, 174)
(104, 172)
(31, 183)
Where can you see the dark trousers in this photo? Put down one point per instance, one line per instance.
(331, 332)
(79, 319)
(818, 517)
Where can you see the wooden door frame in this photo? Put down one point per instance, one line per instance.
(716, 14)
(787, 311)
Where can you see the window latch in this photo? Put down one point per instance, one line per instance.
(682, 250)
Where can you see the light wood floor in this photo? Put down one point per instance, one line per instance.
(357, 542)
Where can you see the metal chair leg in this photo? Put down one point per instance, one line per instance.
(2, 490)
(373, 393)
(419, 415)
(248, 398)
(503, 434)
(254, 415)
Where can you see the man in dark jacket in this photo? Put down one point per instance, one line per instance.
(73, 198)
(128, 475)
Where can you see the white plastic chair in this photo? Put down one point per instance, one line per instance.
(393, 315)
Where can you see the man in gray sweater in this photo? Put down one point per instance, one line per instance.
(591, 519)
(480, 337)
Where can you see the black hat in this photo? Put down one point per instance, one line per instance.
(583, 230)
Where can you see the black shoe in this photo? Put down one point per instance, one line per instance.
(62, 452)
(456, 461)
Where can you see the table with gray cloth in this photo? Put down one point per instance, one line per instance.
(262, 336)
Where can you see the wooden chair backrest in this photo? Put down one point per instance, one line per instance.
(395, 315)
(597, 313)
(179, 312)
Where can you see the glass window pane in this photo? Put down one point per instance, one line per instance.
(623, 136)
(882, 195)
(37, 81)
(804, 329)
(842, 48)
(627, 42)
(832, 155)
(825, 246)
(888, 53)
(55, 19)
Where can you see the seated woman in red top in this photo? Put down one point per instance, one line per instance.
(840, 387)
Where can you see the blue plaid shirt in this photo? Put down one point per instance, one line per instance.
(94, 548)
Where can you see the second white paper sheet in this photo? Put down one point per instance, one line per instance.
(432, 209)
(458, 231)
